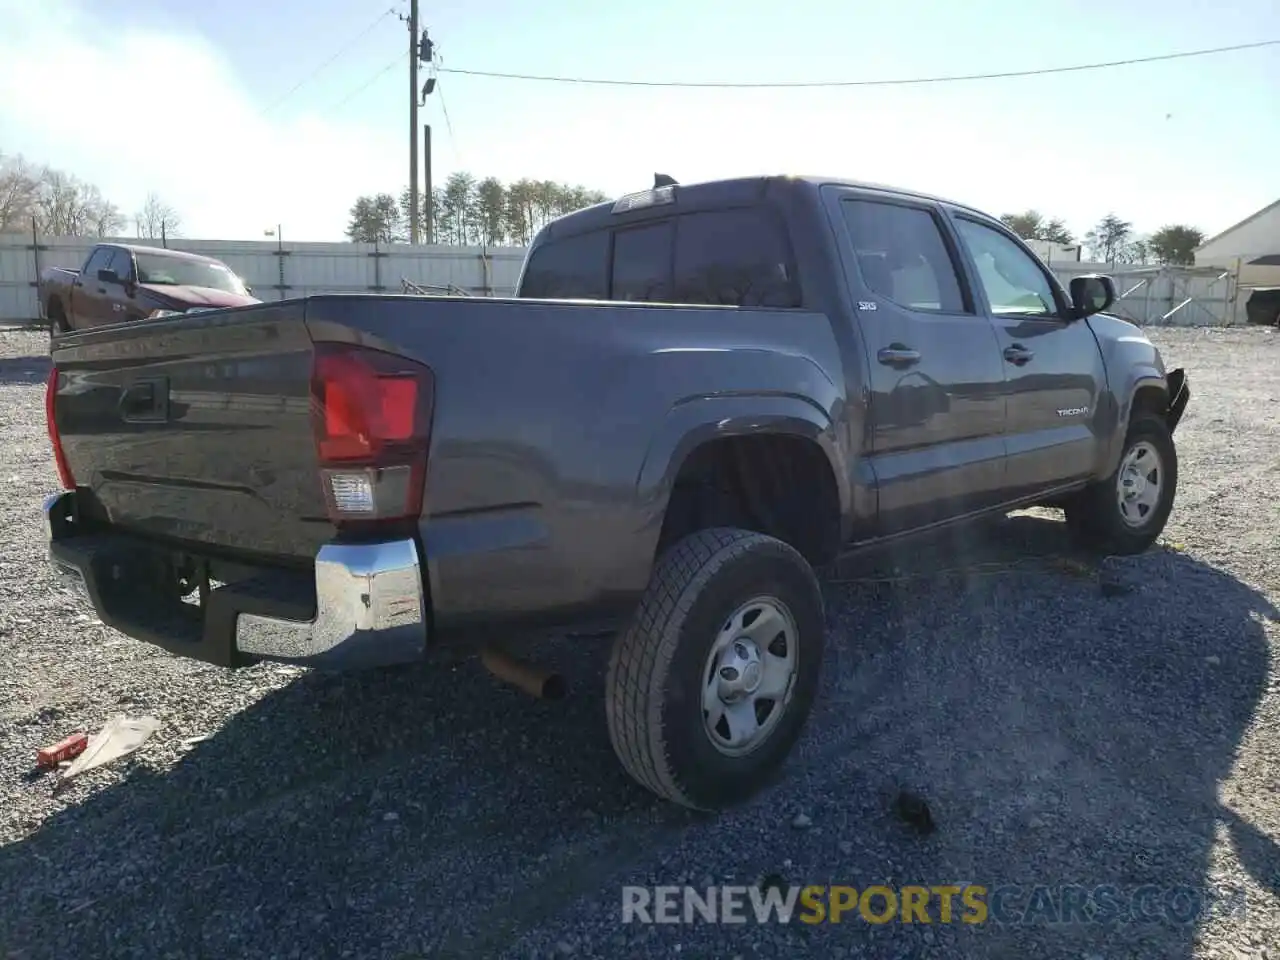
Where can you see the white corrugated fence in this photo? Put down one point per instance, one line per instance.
(1190, 296)
(277, 270)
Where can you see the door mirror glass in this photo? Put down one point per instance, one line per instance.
(108, 276)
(1092, 294)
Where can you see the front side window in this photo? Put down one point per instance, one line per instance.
(100, 259)
(575, 268)
(902, 256)
(1012, 280)
(122, 264)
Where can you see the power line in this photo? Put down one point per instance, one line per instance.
(756, 85)
(448, 125)
(316, 72)
(368, 83)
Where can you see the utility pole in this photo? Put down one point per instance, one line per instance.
(429, 198)
(413, 121)
(426, 52)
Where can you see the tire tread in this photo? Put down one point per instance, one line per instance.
(641, 657)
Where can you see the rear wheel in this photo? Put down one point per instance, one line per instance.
(57, 317)
(711, 684)
(1127, 511)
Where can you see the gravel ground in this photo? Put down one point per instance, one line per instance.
(1060, 736)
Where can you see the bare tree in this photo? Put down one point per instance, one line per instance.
(19, 190)
(65, 205)
(157, 219)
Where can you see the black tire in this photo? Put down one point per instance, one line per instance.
(57, 317)
(1094, 515)
(656, 670)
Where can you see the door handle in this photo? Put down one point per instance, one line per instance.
(1017, 354)
(896, 355)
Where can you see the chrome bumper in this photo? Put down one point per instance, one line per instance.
(370, 608)
(370, 605)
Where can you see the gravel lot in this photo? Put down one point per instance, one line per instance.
(1061, 737)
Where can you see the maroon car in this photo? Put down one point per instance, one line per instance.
(120, 282)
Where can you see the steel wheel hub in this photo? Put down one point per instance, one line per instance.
(1138, 484)
(748, 676)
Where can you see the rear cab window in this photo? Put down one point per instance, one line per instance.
(738, 256)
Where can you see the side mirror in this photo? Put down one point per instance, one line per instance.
(248, 289)
(1092, 294)
(108, 276)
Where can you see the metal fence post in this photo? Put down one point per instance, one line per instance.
(35, 282)
(281, 287)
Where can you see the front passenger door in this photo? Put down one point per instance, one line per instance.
(1053, 369)
(89, 294)
(120, 304)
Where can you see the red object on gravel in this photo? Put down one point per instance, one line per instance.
(73, 746)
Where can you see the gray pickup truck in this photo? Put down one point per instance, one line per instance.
(699, 394)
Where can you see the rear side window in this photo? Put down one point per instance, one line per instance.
(902, 256)
(575, 268)
(738, 257)
(642, 263)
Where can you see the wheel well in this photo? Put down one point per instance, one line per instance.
(777, 484)
(1149, 399)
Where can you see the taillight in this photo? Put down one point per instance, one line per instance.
(65, 476)
(371, 415)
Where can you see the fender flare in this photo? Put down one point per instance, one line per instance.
(1145, 376)
(700, 420)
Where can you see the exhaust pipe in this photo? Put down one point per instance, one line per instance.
(533, 680)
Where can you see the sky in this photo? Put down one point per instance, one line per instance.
(220, 109)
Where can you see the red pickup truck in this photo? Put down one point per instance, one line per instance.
(121, 282)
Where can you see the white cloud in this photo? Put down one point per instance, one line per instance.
(133, 110)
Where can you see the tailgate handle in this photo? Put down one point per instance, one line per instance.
(145, 400)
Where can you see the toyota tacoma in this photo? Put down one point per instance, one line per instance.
(699, 394)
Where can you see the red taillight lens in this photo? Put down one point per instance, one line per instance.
(65, 477)
(371, 413)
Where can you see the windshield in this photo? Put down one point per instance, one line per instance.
(174, 271)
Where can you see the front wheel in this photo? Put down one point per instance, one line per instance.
(711, 684)
(1125, 513)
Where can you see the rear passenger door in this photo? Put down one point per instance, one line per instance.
(936, 411)
(1052, 366)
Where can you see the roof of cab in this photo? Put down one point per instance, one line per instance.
(136, 248)
(736, 189)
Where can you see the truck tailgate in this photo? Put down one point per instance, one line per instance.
(197, 429)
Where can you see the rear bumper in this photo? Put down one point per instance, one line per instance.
(365, 606)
